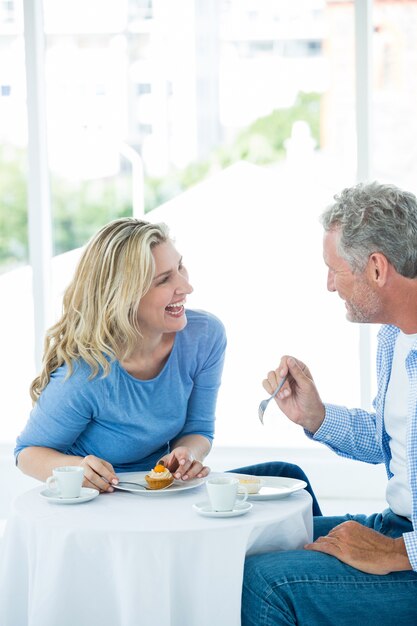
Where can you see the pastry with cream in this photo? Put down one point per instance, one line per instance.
(159, 477)
(251, 483)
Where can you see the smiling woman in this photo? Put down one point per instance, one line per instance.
(162, 308)
(129, 377)
(161, 313)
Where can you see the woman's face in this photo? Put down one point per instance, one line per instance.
(161, 309)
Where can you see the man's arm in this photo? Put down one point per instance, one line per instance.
(350, 433)
(364, 548)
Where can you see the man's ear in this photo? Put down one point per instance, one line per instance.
(378, 266)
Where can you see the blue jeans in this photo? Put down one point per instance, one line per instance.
(287, 470)
(314, 589)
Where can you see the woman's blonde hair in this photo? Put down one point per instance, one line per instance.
(99, 313)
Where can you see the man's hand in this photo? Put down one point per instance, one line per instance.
(363, 548)
(298, 398)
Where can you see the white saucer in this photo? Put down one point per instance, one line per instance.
(204, 508)
(86, 495)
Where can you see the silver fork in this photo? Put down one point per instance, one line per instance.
(127, 482)
(264, 403)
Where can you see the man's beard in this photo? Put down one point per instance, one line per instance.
(364, 305)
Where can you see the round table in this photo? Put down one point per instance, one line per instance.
(125, 559)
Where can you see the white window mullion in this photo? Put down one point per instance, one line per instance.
(39, 203)
(363, 48)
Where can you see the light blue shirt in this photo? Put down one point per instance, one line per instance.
(129, 422)
(357, 434)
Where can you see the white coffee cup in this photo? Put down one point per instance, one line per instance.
(66, 481)
(222, 493)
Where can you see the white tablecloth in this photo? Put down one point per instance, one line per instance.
(128, 560)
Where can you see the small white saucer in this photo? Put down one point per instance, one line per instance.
(86, 495)
(204, 508)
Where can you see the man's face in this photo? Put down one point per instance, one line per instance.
(362, 302)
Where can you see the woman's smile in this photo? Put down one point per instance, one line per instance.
(162, 308)
(176, 309)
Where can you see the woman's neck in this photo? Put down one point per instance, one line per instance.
(149, 356)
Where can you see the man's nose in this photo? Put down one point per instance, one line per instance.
(330, 281)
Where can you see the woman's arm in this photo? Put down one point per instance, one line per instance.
(39, 462)
(186, 458)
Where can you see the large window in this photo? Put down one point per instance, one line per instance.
(235, 122)
(394, 122)
(13, 139)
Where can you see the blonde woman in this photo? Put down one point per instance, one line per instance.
(129, 376)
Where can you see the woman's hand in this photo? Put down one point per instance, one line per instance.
(98, 474)
(298, 398)
(182, 464)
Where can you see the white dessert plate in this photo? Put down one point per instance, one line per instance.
(204, 508)
(86, 495)
(139, 477)
(275, 487)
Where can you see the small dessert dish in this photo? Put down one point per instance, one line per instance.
(251, 483)
(159, 477)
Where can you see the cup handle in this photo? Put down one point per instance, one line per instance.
(244, 494)
(51, 482)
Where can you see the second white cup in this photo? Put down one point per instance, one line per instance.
(66, 481)
(222, 493)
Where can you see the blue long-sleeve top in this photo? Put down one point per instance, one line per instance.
(130, 422)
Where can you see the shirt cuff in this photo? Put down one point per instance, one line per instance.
(410, 540)
(325, 433)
